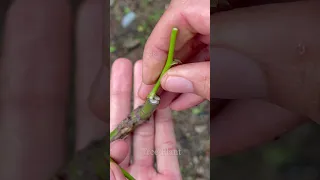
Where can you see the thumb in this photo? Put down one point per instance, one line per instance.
(115, 172)
(188, 78)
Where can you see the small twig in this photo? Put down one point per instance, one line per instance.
(137, 117)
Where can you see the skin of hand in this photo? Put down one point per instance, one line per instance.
(187, 84)
(157, 135)
(36, 64)
(266, 60)
(278, 90)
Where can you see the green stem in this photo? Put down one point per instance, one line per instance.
(149, 107)
(113, 133)
(124, 172)
(168, 64)
(137, 117)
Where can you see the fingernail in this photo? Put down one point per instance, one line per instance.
(178, 84)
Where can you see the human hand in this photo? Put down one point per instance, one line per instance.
(191, 80)
(157, 135)
(267, 53)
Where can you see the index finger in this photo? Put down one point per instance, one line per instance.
(190, 18)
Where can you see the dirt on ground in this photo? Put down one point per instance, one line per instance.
(191, 126)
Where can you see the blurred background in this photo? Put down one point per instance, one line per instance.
(294, 156)
(131, 23)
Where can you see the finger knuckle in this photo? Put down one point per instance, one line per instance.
(205, 81)
(168, 145)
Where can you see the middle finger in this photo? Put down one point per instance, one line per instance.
(144, 135)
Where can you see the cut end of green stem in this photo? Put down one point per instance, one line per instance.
(168, 64)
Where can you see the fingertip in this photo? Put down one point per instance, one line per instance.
(177, 84)
(137, 75)
(189, 78)
(125, 60)
(119, 150)
(138, 63)
(141, 92)
(121, 66)
(146, 74)
(144, 90)
(137, 83)
(121, 62)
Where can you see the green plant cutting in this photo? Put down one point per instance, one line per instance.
(143, 113)
(92, 161)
